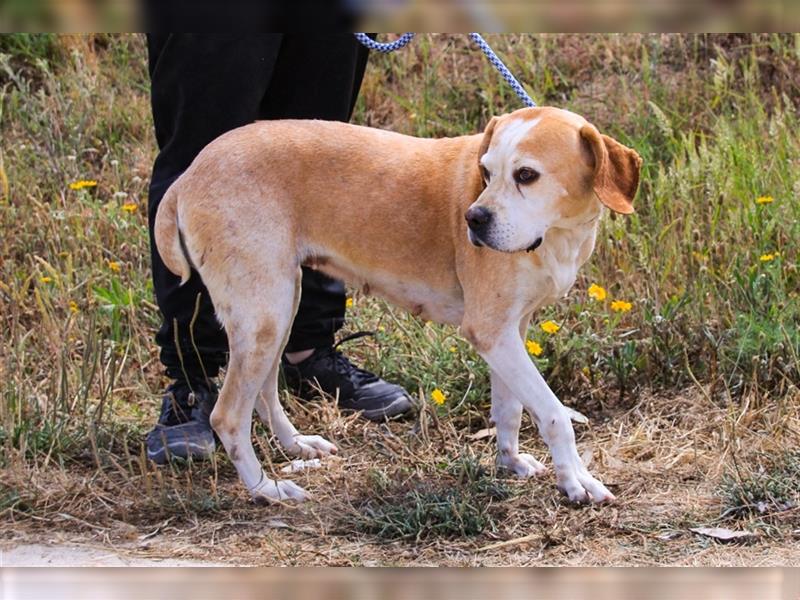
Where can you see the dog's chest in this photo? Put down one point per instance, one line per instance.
(544, 283)
(553, 272)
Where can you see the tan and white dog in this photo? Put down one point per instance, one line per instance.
(477, 231)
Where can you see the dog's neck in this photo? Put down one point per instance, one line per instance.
(565, 250)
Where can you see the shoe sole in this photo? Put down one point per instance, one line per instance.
(398, 407)
(181, 450)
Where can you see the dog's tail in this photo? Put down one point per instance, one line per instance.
(168, 236)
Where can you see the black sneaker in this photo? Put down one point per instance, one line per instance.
(183, 429)
(359, 390)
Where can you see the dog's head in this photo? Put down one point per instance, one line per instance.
(543, 168)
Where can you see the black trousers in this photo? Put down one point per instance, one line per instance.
(203, 86)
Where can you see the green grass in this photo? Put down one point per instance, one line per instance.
(763, 490)
(459, 499)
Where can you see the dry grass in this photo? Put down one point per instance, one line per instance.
(692, 396)
(665, 459)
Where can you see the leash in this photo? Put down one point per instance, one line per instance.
(498, 64)
(386, 47)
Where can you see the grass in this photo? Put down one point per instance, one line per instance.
(764, 491)
(458, 501)
(692, 394)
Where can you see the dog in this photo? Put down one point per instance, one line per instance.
(477, 231)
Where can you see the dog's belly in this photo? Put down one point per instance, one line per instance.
(420, 300)
(443, 305)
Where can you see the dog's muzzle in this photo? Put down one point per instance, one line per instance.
(478, 220)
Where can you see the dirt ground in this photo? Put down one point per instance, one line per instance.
(65, 555)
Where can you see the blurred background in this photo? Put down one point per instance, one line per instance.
(406, 584)
(413, 15)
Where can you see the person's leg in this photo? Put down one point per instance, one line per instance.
(201, 87)
(318, 77)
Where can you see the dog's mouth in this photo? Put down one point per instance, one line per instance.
(537, 242)
(476, 241)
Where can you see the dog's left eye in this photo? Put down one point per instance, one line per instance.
(526, 175)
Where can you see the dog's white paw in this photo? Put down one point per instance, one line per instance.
(269, 490)
(579, 486)
(523, 465)
(311, 446)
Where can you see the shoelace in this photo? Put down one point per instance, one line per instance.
(343, 366)
(181, 401)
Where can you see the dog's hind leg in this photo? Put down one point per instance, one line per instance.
(255, 334)
(272, 414)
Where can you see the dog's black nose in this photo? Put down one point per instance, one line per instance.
(478, 217)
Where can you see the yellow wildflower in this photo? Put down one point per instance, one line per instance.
(597, 292)
(349, 303)
(765, 200)
(130, 207)
(550, 327)
(83, 183)
(438, 396)
(533, 348)
(73, 306)
(114, 266)
(45, 279)
(453, 349)
(621, 306)
(769, 257)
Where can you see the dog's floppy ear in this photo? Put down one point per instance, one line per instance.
(616, 170)
(487, 137)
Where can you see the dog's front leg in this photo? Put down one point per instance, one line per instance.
(507, 417)
(507, 358)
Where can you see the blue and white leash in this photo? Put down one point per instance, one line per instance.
(475, 37)
(502, 69)
(388, 46)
